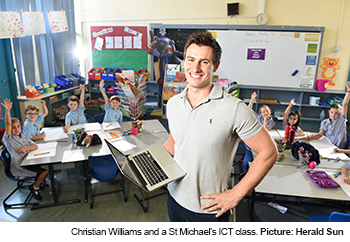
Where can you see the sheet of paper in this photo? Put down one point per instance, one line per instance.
(54, 134)
(109, 42)
(99, 43)
(111, 126)
(330, 154)
(73, 155)
(110, 136)
(118, 42)
(137, 42)
(127, 42)
(92, 126)
(123, 145)
(275, 134)
(322, 143)
(344, 186)
(44, 150)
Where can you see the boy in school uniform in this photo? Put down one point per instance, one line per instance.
(112, 112)
(18, 145)
(76, 114)
(334, 127)
(31, 126)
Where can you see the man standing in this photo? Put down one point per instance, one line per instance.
(205, 125)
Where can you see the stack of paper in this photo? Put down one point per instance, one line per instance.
(54, 134)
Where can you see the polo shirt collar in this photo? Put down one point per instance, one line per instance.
(215, 93)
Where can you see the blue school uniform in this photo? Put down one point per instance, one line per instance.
(112, 115)
(31, 129)
(77, 117)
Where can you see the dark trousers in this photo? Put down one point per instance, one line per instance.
(177, 213)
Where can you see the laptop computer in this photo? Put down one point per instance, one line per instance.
(150, 169)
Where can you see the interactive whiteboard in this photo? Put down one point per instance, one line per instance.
(269, 58)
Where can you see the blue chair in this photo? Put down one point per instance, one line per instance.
(99, 118)
(104, 169)
(334, 217)
(348, 144)
(21, 183)
(248, 157)
(240, 152)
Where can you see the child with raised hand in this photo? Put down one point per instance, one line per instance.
(292, 119)
(112, 112)
(18, 145)
(76, 114)
(334, 127)
(31, 126)
(264, 115)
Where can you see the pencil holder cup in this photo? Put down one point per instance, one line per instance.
(134, 130)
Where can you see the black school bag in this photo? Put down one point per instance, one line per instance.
(297, 145)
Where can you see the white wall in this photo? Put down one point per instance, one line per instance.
(333, 15)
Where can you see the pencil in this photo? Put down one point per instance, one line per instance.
(108, 125)
(42, 153)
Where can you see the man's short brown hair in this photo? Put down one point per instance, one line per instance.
(204, 38)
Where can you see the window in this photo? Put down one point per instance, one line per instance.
(39, 58)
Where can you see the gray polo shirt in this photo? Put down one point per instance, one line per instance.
(13, 143)
(206, 139)
(335, 131)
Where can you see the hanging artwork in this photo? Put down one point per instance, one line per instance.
(33, 23)
(57, 21)
(10, 25)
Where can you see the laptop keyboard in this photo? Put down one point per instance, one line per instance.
(150, 168)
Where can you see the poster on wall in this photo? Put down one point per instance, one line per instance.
(119, 37)
(11, 25)
(57, 21)
(33, 23)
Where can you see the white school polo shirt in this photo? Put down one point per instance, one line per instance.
(206, 139)
(335, 131)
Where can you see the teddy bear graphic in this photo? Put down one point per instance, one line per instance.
(329, 67)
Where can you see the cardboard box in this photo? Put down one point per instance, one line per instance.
(64, 81)
(40, 89)
(32, 94)
(95, 73)
(108, 74)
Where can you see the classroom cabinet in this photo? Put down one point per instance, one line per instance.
(278, 100)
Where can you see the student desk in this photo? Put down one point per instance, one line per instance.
(288, 178)
(153, 133)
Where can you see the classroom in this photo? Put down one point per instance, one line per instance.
(273, 52)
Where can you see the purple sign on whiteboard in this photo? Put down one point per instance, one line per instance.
(256, 54)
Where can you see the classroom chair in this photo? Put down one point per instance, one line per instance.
(21, 183)
(99, 118)
(348, 144)
(334, 217)
(104, 169)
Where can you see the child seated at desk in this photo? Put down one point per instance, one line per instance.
(18, 145)
(76, 114)
(292, 119)
(264, 115)
(112, 112)
(31, 126)
(334, 127)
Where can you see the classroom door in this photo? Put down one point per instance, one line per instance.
(4, 84)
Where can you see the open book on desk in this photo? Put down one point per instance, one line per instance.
(53, 134)
(110, 126)
(44, 150)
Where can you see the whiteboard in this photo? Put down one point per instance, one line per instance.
(269, 58)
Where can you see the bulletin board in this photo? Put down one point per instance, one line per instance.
(119, 47)
(278, 56)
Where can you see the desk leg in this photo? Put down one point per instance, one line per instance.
(86, 179)
(54, 194)
(143, 201)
